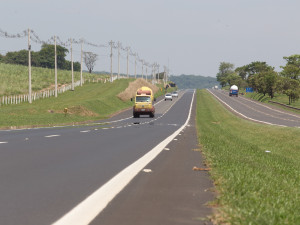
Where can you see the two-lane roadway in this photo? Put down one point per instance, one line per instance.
(68, 175)
(257, 111)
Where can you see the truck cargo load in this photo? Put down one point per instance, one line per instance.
(234, 90)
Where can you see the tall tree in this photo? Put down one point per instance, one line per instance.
(46, 55)
(90, 60)
(292, 67)
(242, 72)
(225, 69)
(289, 87)
(256, 67)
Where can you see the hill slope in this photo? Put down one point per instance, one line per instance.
(194, 82)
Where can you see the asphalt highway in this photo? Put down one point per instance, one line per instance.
(68, 175)
(256, 111)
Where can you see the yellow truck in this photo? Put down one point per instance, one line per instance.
(143, 104)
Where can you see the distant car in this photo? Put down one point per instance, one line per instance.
(175, 94)
(168, 96)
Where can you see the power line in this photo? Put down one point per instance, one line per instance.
(34, 37)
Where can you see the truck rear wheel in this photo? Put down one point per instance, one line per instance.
(135, 115)
(152, 115)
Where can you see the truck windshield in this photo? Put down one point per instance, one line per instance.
(143, 99)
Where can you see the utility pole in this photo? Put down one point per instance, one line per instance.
(168, 70)
(142, 69)
(135, 66)
(127, 62)
(153, 74)
(55, 66)
(158, 72)
(81, 57)
(72, 66)
(111, 61)
(29, 68)
(165, 79)
(146, 72)
(118, 60)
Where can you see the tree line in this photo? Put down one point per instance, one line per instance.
(43, 58)
(263, 78)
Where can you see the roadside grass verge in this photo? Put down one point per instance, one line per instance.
(93, 101)
(253, 186)
(281, 98)
(277, 98)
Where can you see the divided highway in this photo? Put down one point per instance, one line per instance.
(63, 175)
(256, 111)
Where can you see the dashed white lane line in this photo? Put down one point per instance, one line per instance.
(89, 208)
(54, 135)
(3, 142)
(84, 131)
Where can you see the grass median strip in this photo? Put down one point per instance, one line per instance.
(255, 167)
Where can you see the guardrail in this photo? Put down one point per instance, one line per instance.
(278, 103)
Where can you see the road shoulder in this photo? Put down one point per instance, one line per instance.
(169, 192)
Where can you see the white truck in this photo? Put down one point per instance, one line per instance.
(234, 90)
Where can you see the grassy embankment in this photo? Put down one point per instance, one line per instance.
(253, 186)
(91, 102)
(14, 78)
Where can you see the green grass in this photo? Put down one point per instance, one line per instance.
(14, 78)
(90, 102)
(281, 98)
(253, 186)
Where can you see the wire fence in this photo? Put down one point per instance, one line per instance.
(21, 98)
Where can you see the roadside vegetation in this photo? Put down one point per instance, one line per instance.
(263, 79)
(92, 101)
(14, 78)
(255, 167)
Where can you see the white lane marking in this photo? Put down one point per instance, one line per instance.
(260, 104)
(89, 208)
(243, 114)
(175, 139)
(54, 135)
(147, 170)
(167, 149)
(3, 142)
(84, 131)
(267, 114)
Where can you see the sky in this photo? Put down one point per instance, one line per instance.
(188, 36)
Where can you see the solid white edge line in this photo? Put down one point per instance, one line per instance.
(3, 142)
(249, 118)
(54, 135)
(89, 208)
